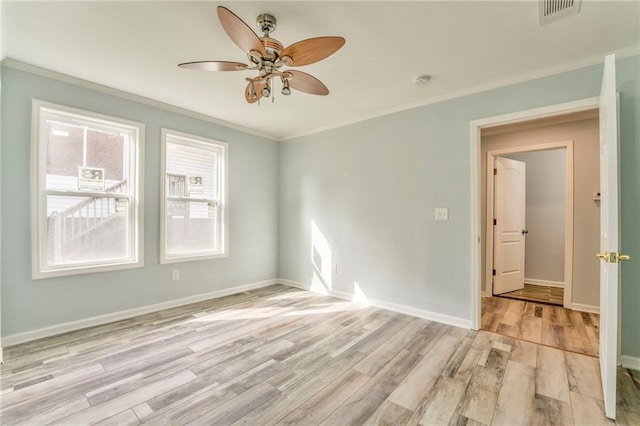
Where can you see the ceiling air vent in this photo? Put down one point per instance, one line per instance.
(550, 10)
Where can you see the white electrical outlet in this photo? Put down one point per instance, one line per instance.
(175, 274)
(442, 213)
(335, 268)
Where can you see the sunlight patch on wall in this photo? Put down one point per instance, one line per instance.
(358, 294)
(321, 261)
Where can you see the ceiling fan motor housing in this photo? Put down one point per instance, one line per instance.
(267, 24)
(272, 48)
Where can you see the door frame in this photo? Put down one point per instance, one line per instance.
(474, 141)
(567, 146)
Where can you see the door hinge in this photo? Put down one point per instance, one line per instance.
(494, 272)
(495, 171)
(495, 221)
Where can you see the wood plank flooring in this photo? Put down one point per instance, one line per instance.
(628, 396)
(540, 323)
(538, 293)
(284, 356)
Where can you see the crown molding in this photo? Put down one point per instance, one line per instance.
(65, 78)
(570, 66)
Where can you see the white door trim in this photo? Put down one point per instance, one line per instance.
(474, 142)
(568, 210)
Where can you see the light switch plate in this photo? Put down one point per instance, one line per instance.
(442, 213)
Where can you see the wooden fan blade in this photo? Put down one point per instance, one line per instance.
(214, 66)
(307, 83)
(258, 88)
(239, 32)
(312, 50)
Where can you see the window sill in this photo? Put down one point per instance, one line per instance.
(78, 270)
(192, 258)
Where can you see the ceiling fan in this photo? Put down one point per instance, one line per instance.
(268, 56)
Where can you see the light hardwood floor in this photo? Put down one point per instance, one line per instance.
(538, 293)
(540, 323)
(283, 356)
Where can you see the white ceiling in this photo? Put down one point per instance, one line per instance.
(465, 46)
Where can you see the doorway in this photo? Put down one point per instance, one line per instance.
(535, 197)
(524, 119)
(559, 157)
(550, 167)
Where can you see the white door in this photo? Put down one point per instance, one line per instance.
(609, 233)
(509, 225)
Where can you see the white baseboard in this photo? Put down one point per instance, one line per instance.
(544, 282)
(585, 308)
(27, 336)
(395, 307)
(296, 284)
(318, 289)
(630, 362)
(420, 313)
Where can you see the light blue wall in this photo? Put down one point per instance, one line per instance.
(371, 189)
(253, 240)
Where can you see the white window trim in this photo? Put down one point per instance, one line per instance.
(38, 203)
(222, 205)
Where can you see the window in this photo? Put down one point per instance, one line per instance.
(87, 213)
(194, 198)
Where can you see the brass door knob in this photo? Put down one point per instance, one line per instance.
(612, 257)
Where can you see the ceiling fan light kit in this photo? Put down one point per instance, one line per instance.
(267, 56)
